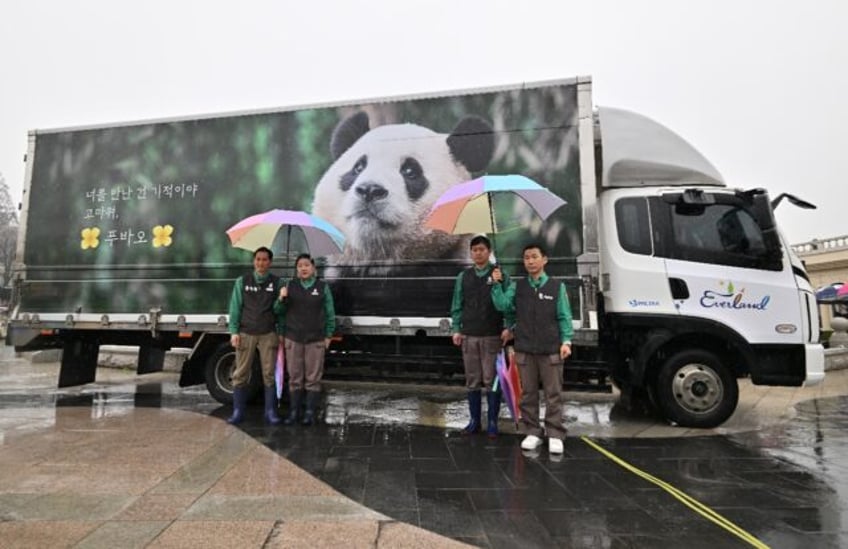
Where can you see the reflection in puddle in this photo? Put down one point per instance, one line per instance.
(440, 407)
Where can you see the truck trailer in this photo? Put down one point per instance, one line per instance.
(679, 283)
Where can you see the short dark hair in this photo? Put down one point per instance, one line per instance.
(537, 246)
(303, 256)
(481, 239)
(266, 250)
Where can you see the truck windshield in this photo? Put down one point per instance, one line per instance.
(723, 232)
(717, 233)
(717, 229)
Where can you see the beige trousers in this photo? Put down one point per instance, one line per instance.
(533, 368)
(305, 364)
(267, 345)
(478, 358)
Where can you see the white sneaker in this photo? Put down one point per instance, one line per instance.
(531, 442)
(555, 445)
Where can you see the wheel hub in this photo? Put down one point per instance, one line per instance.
(697, 388)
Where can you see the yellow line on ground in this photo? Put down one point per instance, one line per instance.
(684, 498)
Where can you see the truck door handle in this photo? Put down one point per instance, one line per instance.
(679, 289)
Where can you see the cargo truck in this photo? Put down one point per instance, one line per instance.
(680, 284)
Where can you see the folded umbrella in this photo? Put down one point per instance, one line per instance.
(510, 386)
(280, 371)
(515, 381)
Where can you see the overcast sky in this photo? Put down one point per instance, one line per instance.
(759, 87)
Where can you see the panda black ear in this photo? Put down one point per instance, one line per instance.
(472, 143)
(347, 132)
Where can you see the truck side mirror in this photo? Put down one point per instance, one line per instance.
(794, 200)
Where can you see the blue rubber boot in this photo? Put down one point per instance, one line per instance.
(239, 403)
(474, 404)
(493, 399)
(294, 406)
(312, 398)
(271, 406)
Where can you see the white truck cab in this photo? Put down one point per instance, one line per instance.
(698, 287)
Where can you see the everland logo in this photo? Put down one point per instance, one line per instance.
(729, 298)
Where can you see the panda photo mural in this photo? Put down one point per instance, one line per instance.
(381, 186)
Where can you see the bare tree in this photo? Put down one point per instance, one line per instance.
(8, 212)
(8, 243)
(8, 235)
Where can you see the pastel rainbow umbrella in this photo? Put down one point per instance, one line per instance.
(467, 207)
(318, 236)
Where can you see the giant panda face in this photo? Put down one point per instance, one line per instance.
(381, 188)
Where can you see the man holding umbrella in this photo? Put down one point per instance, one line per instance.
(254, 314)
(479, 329)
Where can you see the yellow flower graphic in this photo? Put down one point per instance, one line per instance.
(162, 235)
(90, 238)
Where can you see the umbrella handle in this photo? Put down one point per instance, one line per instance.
(492, 222)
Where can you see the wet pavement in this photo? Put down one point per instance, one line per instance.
(785, 486)
(387, 465)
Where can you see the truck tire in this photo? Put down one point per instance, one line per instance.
(695, 389)
(219, 375)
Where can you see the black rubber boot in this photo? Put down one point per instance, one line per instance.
(474, 405)
(271, 406)
(493, 400)
(294, 407)
(239, 403)
(312, 398)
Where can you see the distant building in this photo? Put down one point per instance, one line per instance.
(827, 262)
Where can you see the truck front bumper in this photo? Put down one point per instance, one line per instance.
(814, 361)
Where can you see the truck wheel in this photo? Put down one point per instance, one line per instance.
(219, 375)
(694, 389)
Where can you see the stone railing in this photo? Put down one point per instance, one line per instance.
(836, 358)
(825, 245)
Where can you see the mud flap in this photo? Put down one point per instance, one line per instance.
(79, 362)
